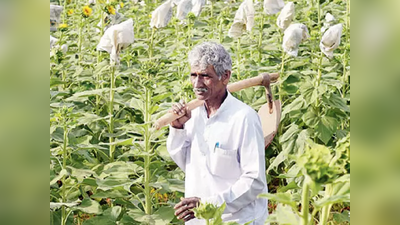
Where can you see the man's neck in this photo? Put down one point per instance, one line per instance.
(212, 105)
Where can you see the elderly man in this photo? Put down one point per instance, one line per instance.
(219, 145)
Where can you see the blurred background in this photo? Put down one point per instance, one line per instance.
(24, 112)
(375, 148)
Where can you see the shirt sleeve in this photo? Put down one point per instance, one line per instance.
(178, 145)
(252, 181)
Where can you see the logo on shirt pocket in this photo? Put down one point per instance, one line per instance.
(224, 163)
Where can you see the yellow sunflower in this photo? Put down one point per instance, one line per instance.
(111, 9)
(63, 25)
(87, 11)
(70, 12)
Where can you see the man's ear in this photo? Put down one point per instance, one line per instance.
(226, 76)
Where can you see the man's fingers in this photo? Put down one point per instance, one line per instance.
(188, 112)
(191, 202)
(176, 109)
(178, 205)
(179, 109)
(184, 214)
(181, 209)
(189, 217)
(184, 201)
(192, 205)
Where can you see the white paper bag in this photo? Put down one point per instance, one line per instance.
(244, 19)
(116, 38)
(293, 36)
(331, 40)
(161, 15)
(197, 6)
(273, 6)
(184, 7)
(286, 16)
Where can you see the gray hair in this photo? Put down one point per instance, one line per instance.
(210, 53)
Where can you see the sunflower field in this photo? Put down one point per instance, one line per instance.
(116, 66)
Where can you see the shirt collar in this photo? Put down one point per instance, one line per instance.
(224, 106)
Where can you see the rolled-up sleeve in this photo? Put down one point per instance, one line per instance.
(252, 164)
(178, 145)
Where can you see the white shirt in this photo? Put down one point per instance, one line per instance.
(234, 172)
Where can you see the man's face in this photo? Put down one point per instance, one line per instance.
(206, 83)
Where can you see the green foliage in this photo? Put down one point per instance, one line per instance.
(209, 211)
(316, 163)
(212, 214)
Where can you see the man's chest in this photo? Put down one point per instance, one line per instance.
(215, 147)
(209, 134)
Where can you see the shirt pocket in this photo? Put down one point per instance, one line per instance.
(224, 163)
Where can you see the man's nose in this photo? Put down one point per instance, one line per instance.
(197, 82)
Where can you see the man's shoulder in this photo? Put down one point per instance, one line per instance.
(242, 109)
(241, 106)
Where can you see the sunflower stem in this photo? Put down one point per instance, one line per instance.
(280, 93)
(326, 209)
(147, 159)
(304, 204)
(80, 41)
(238, 58)
(344, 75)
(151, 42)
(64, 197)
(65, 10)
(319, 13)
(220, 31)
(260, 39)
(102, 22)
(212, 8)
(319, 79)
(111, 112)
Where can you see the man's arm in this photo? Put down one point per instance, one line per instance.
(252, 164)
(178, 146)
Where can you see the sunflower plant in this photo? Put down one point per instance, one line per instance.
(109, 9)
(87, 11)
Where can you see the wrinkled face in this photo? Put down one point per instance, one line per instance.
(206, 83)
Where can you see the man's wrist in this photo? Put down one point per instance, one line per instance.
(178, 127)
(176, 131)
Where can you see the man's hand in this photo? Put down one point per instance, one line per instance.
(181, 110)
(183, 208)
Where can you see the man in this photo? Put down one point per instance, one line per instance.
(220, 145)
